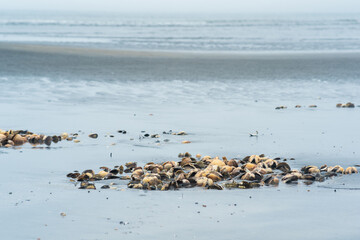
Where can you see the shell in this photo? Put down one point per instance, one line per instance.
(64, 136)
(215, 176)
(47, 140)
(250, 166)
(19, 140)
(254, 159)
(351, 170)
(232, 163)
(204, 182)
(131, 165)
(2, 138)
(93, 135)
(283, 167)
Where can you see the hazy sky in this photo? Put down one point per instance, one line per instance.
(173, 6)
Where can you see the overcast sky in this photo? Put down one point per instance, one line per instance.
(173, 6)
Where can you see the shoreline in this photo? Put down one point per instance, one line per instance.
(122, 65)
(109, 51)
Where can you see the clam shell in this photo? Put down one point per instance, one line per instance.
(93, 135)
(18, 140)
(48, 140)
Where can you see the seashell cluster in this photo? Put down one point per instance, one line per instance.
(13, 138)
(345, 105)
(210, 173)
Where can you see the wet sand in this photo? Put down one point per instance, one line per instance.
(93, 94)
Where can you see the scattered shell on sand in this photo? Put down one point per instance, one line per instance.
(210, 173)
(345, 105)
(93, 135)
(181, 133)
(185, 142)
(280, 107)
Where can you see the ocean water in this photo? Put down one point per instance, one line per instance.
(242, 32)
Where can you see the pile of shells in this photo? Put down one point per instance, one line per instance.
(345, 105)
(13, 138)
(210, 173)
